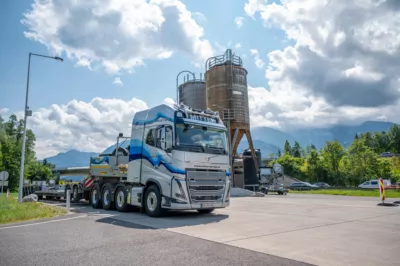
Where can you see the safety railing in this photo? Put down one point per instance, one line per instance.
(228, 57)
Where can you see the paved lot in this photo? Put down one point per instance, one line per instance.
(97, 239)
(316, 229)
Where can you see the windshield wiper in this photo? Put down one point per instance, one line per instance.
(193, 146)
(217, 148)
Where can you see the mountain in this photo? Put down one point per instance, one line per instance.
(268, 140)
(71, 158)
(265, 148)
(343, 133)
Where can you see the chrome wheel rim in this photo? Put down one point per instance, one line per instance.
(152, 201)
(105, 197)
(120, 198)
(94, 196)
(75, 195)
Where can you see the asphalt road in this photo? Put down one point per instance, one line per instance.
(98, 239)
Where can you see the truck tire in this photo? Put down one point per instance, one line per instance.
(204, 211)
(95, 196)
(75, 195)
(121, 198)
(106, 197)
(152, 202)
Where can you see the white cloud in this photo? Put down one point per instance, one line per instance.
(199, 17)
(239, 21)
(257, 59)
(86, 126)
(3, 111)
(341, 68)
(252, 6)
(169, 102)
(117, 34)
(117, 81)
(238, 46)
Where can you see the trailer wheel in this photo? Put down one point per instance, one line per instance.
(75, 195)
(152, 202)
(107, 197)
(204, 211)
(95, 197)
(121, 198)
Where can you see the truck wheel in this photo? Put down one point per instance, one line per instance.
(121, 198)
(152, 202)
(75, 195)
(203, 211)
(107, 197)
(95, 197)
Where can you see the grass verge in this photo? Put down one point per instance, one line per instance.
(11, 211)
(350, 192)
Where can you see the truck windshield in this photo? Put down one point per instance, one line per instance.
(197, 138)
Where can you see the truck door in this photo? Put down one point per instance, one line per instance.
(164, 145)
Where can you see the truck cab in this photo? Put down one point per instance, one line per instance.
(177, 158)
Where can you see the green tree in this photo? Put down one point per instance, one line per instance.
(315, 168)
(287, 149)
(296, 150)
(394, 136)
(293, 166)
(279, 153)
(11, 132)
(332, 153)
(39, 171)
(360, 163)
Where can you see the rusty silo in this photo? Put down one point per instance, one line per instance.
(192, 92)
(226, 90)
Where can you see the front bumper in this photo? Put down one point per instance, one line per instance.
(197, 206)
(199, 193)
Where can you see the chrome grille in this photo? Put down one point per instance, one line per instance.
(205, 185)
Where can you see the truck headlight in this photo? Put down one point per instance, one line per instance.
(179, 192)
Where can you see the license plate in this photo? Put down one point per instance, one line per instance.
(206, 205)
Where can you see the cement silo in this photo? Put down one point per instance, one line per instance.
(192, 92)
(226, 90)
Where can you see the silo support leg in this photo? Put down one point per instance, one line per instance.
(234, 138)
(251, 146)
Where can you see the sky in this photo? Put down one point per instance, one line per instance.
(311, 63)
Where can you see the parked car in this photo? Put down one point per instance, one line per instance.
(322, 184)
(302, 186)
(387, 154)
(375, 183)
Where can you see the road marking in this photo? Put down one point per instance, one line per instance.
(319, 204)
(46, 222)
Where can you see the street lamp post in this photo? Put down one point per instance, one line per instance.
(27, 113)
(177, 85)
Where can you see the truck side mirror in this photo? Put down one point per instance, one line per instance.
(162, 140)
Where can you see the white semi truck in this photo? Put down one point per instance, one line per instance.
(177, 159)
